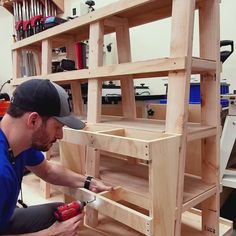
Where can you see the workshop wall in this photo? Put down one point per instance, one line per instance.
(149, 41)
(6, 39)
(228, 31)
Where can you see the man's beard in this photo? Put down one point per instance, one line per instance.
(40, 140)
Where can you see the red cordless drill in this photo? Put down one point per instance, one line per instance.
(67, 211)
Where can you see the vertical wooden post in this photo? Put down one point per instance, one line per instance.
(72, 156)
(210, 104)
(179, 86)
(46, 57)
(163, 172)
(127, 84)
(46, 69)
(96, 38)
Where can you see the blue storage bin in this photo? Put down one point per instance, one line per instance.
(195, 98)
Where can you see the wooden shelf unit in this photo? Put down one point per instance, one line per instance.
(148, 158)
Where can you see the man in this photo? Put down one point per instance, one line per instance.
(33, 122)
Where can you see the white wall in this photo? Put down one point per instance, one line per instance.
(6, 39)
(228, 31)
(148, 41)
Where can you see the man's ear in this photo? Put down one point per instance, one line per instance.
(34, 120)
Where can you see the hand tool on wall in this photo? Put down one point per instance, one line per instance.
(28, 30)
(67, 211)
(37, 16)
(17, 7)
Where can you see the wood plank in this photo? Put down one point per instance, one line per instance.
(200, 65)
(127, 84)
(46, 57)
(114, 21)
(150, 68)
(83, 20)
(94, 104)
(200, 134)
(73, 156)
(137, 11)
(210, 87)
(194, 189)
(95, 61)
(179, 86)
(163, 176)
(46, 69)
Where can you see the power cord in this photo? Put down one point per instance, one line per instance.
(7, 82)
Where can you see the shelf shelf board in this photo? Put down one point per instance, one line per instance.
(137, 12)
(194, 130)
(142, 69)
(117, 171)
(195, 191)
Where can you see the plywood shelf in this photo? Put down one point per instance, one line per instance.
(195, 131)
(118, 171)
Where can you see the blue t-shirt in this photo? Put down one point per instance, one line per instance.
(11, 177)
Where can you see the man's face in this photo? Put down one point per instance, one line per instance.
(47, 134)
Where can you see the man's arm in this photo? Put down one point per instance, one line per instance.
(59, 175)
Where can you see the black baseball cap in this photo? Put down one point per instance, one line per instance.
(48, 99)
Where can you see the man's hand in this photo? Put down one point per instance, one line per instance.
(68, 227)
(98, 186)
